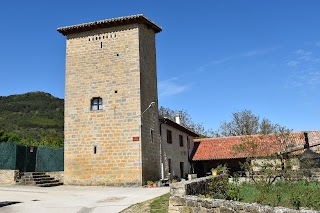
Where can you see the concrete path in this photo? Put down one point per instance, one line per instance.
(73, 199)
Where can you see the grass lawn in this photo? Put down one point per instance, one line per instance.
(156, 205)
(293, 195)
(286, 194)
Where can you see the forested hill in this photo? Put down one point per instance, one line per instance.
(32, 118)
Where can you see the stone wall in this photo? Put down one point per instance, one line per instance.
(192, 204)
(190, 187)
(150, 145)
(8, 177)
(182, 199)
(103, 63)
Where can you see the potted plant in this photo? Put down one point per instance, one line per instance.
(174, 181)
(218, 170)
(155, 184)
(149, 183)
(213, 172)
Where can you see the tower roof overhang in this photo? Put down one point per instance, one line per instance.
(114, 22)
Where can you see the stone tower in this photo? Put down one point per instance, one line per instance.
(111, 103)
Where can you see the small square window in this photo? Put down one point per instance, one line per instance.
(169, 136)
(96, 104)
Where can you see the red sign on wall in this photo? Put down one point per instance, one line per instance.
(135, 138)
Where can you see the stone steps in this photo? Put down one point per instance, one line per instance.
(40, 179)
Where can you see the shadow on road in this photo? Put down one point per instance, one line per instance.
(8, 203)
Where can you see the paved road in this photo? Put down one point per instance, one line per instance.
(73, 199)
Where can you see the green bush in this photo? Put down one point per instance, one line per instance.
(220, 188)
(282, 193)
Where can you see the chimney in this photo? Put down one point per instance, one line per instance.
(177, 118)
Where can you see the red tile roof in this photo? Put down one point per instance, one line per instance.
(223, 147)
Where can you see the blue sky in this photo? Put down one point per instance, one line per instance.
(213, 57)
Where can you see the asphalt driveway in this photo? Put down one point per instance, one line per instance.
(73, 199)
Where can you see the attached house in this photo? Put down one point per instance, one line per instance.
(176, 149)
(211, 152)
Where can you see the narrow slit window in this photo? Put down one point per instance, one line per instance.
(95, 150)
(181, 170)
(96, 104)
(151, 136)
(101, 45)
(169, 136)
(181, 140)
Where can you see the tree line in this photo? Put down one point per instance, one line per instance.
(37, 119)
(33, 119)
(243, 122)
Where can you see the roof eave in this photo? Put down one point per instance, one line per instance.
(136, 19)
(177, 126)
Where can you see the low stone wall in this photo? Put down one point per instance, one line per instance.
(192, 204)
(182, 199)
(56, 175)
(8, 177)
(302, 174)
(191, 187)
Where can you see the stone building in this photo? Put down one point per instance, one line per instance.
(176, 149)
(211, 152)
(111, 102)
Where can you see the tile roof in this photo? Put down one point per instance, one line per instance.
(124, 20)
(222, 147)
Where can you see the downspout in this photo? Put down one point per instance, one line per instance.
(161, 161)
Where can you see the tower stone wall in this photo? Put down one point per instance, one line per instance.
(113, 145)
(150, 120)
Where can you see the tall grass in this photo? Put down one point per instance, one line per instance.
(287, 194)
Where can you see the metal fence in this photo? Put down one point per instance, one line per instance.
(31, 159)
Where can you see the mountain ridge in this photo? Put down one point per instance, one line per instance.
(36, 118)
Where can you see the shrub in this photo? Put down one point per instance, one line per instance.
(220, 188)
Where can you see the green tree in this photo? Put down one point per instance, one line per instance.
(246, 123)
(8, 136)
(267, 156)
(187, 121)
(29, 117)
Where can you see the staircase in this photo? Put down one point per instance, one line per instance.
(40, 179)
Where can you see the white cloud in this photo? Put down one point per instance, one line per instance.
(304, 59)
(305, 70)
(212, 63)
(313, 79)
(308, 80)
(304, 55)
(259, 51)
(250, 53)
(171, 87)
(293, 63)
